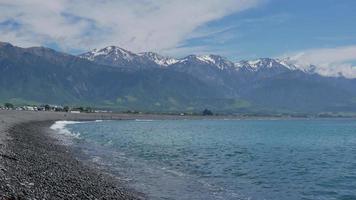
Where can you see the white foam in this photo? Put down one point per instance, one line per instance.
(144, 120)
(60, 127)
(174, 172)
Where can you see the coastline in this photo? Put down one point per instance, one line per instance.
(34, 166)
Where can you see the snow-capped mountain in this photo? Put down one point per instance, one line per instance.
(216, 61)
(158, 59)
(196, 82)
(265, 64)
(111, 52)
(116, 56)
(268, 63)
(119, 57)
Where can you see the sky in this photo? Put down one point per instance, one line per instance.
(320, 32)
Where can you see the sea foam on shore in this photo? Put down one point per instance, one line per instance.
(37, 166)
(60, 127)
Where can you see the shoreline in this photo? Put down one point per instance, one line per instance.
(35, 166)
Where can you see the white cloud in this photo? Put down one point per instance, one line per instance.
(328, 61)
(139, 25)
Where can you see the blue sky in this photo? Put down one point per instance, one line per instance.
(236, 29)
(278, 27)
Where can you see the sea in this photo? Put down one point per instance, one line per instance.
(295, 159)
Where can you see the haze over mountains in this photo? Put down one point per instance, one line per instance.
(116, 78)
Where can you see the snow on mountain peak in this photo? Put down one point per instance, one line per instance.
(254, 63)
(158, 59)
(265, 63)
(114, 55)
(218, 61)
(112, 51)
(206, 58)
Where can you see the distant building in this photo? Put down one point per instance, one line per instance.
(29, 108)
(41, 108)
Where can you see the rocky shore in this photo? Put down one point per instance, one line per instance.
(34, 166)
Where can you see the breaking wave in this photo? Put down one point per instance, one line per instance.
(60, 128)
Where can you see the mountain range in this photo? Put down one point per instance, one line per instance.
(116, 78)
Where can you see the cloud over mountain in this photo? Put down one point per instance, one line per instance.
(143, 25)
(328, 61)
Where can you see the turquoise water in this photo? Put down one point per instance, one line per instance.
(226, 159)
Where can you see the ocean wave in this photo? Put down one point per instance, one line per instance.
(144, 120)
(60, 127)
(173, 172)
